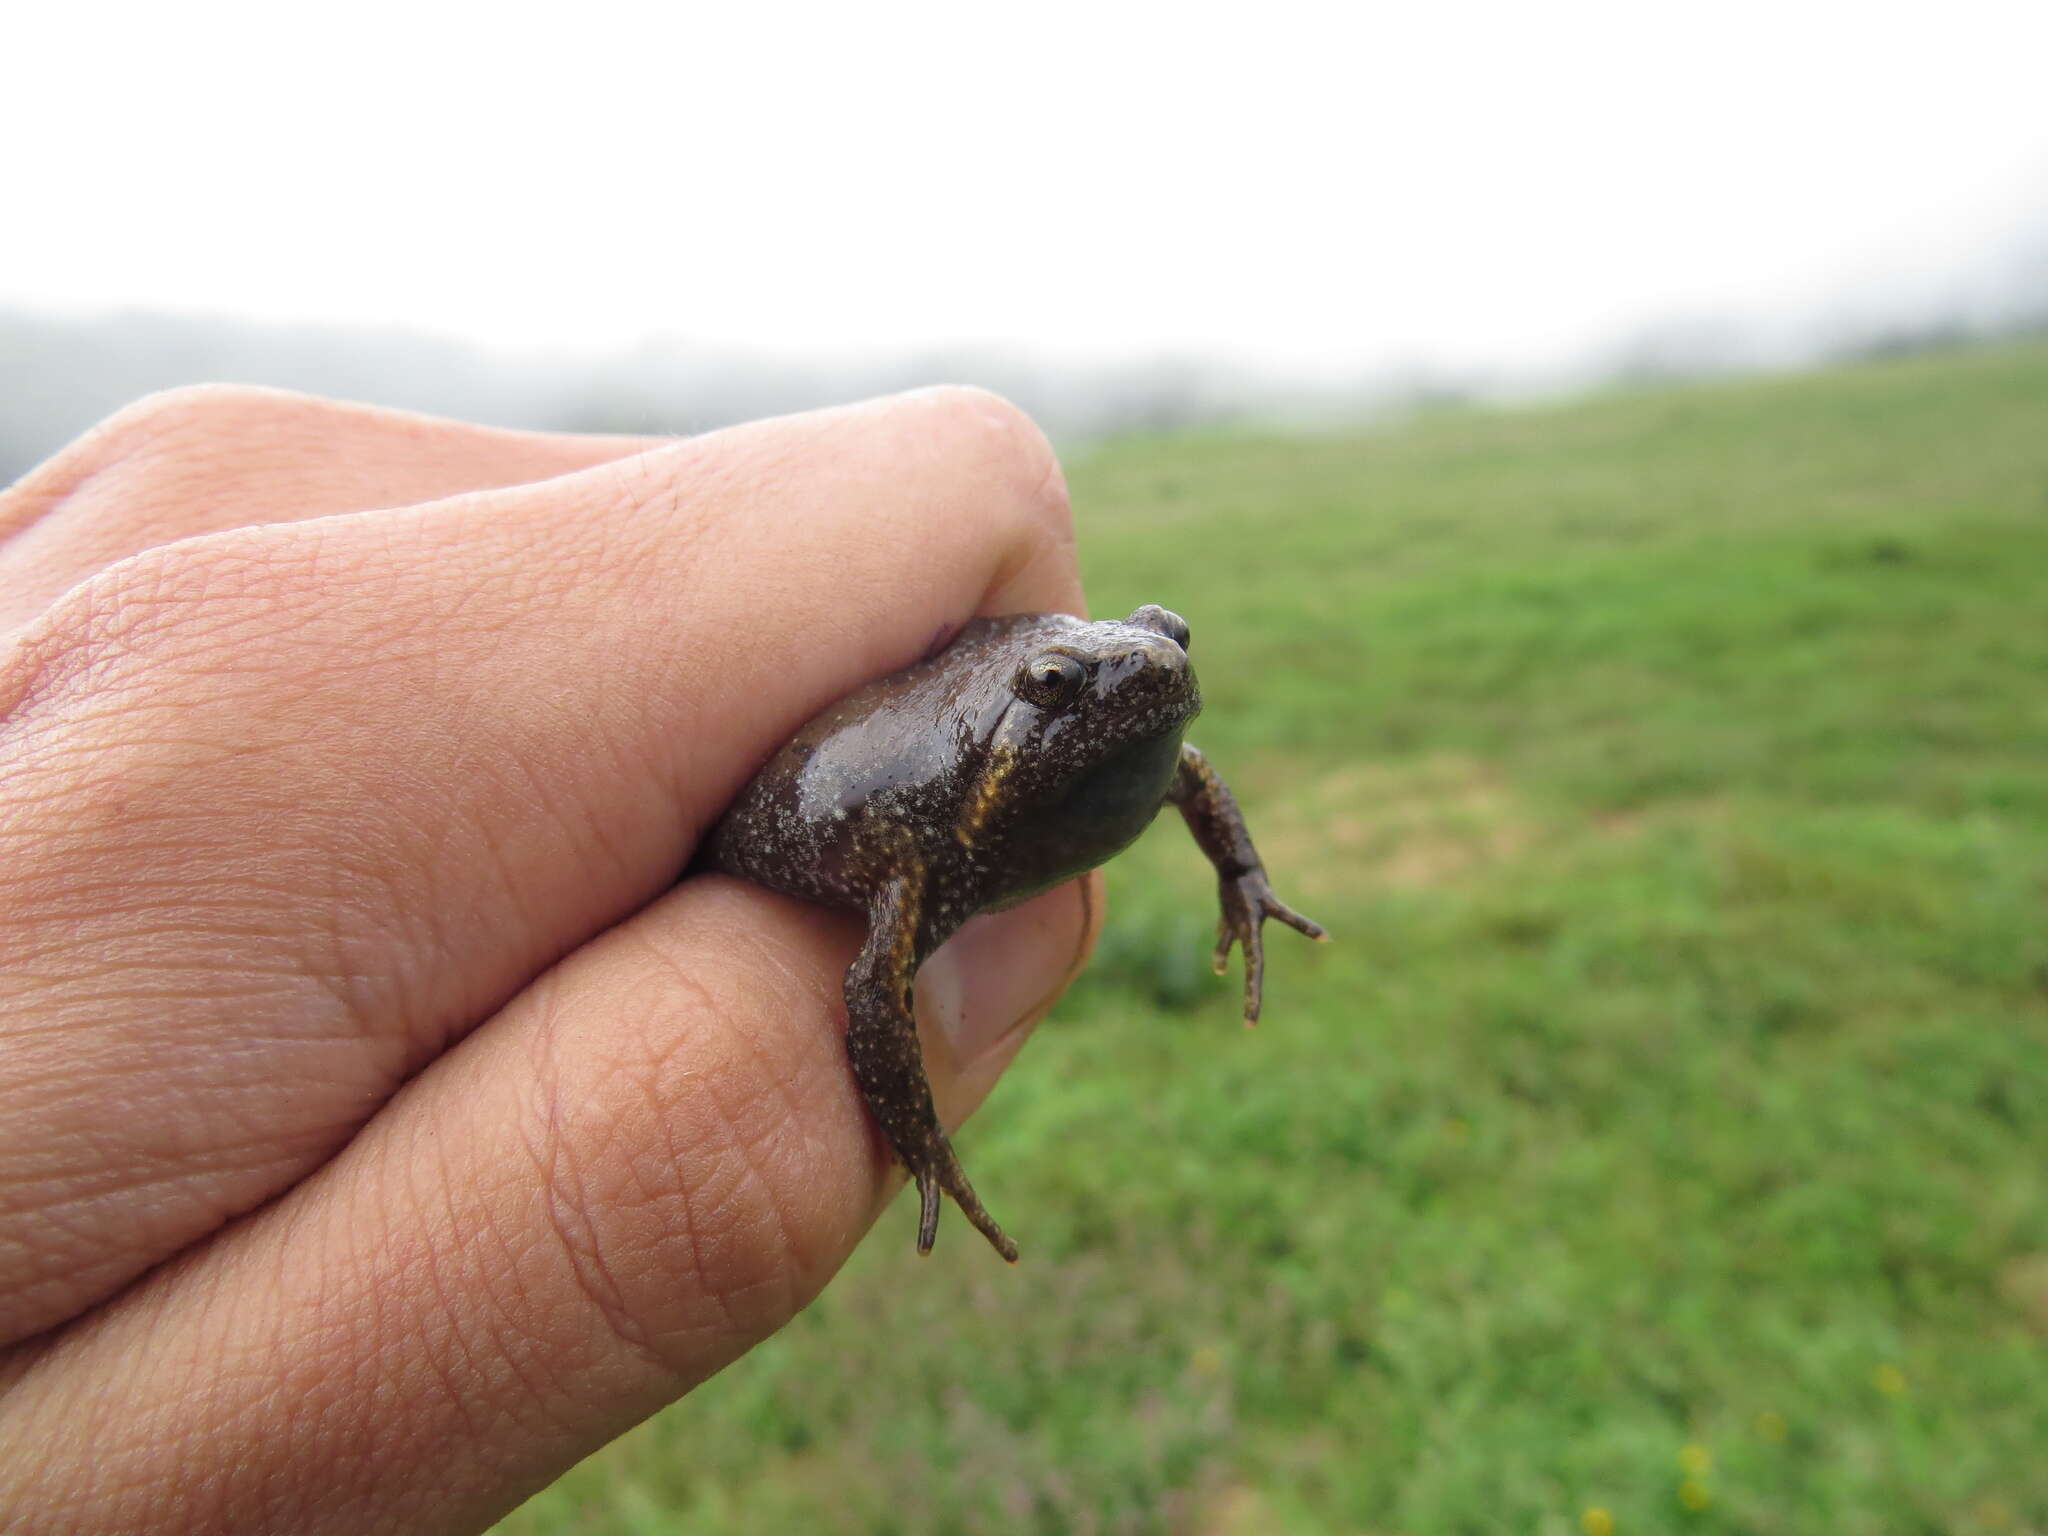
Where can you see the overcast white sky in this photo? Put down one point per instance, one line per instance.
(1329, 186)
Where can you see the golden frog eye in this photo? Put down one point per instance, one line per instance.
(1049, 679)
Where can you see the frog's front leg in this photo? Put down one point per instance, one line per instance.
(881, 1042)
(1211, 813)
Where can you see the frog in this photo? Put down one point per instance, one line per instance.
(1025, 750)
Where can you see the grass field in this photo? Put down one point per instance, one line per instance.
(1664, 1144)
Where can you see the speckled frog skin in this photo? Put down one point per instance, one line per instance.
(1032, 748)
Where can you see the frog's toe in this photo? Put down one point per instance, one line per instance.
(928, 1212)
(1248, 901)
(1277, 908)
(947, 1177)
(1254, 976)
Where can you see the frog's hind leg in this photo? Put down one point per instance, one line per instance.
(881, 1044)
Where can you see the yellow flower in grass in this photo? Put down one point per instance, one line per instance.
(1890, 1380)
(1596, 1521)
(1695, 1461)
(1692, 1493)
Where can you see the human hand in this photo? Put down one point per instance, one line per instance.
(376, 1137)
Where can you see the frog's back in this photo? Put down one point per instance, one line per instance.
(874, 785)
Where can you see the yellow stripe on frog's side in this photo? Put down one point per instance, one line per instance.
(903, 944)
(986, 795)
(894, 849)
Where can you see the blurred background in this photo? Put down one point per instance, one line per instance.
(1603, 453)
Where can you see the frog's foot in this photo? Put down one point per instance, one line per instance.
(1248, 900)
(944, 1175)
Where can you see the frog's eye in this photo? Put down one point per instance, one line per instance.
(1049, 679)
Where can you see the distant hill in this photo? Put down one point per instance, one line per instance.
(58, 375)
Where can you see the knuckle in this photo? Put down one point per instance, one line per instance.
(126, 623)
(1019, 497)
(161, 439)
(211, 406)
(177, 421)
(1019, 455)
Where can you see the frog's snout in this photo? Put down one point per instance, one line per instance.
(1155, 654)
(1161, 621)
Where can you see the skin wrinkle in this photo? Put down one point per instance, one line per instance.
(597, 841)
(771, 953)
(442, 1189)
(554, 1395)
(158, 836)
(182, 1482)
(106, 1419)
(387, 1279)
(784, 1080)
(597, 536)
(105, 937)
(371, 1422)
(663, 1193)
(199, 1152)
(677, 532)
(97, 772)
(754, 1190)
(690, 1199)
(81, 1041)
(433, 924)
(614, 844)
(743, 1193)
(697, 1234)
(301, 1229)
(87, 1188)
(46, 654)
(331, 1415)
(771, 1078)
(568, 1216)
(83, 1004)
(133, 597)
(812, 994)
(174, 901)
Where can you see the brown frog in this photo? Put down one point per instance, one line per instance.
(1029, 750)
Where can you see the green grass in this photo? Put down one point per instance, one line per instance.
(1666, 1134)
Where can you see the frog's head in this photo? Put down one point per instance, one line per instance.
(1085, 692)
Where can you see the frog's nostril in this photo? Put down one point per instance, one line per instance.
(1162, 654)
(1160, 657)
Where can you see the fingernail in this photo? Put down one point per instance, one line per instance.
(1002, 969)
